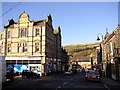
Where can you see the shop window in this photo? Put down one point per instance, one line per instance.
(19, 61)
(7, 61)
(38, 61)
(31, 61)
(13, 61)
(25, 62)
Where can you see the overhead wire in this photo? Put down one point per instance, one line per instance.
(11, 8)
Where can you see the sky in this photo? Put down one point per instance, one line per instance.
(80, 22)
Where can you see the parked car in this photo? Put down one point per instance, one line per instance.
(69, 72)
(29, 74)
(92, 76)
(74, 70)
(9, 77)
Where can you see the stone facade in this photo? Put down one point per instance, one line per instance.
(33, 43)
(111, 54)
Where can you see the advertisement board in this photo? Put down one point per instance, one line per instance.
(10, 68)
(20, 68)
(35, 68)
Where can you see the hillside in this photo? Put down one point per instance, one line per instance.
(82, 50)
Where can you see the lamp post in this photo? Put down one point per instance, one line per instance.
(99, 55)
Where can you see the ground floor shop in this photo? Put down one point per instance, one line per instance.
(18, 64)
(35, 64)
(115, 69)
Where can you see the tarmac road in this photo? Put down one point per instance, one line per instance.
(57, 82)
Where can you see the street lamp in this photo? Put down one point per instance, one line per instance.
(98, 37)
(99, 55)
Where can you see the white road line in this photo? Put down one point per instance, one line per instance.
(106, 87)
(67, 82)
(59, 86)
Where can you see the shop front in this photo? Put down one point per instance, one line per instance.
(24, 63)
(115, 66)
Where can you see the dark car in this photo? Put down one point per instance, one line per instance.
(93, 76)
(9, 77)
(29, 74)
(88, 71)
(69, 72)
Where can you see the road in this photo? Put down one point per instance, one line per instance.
(56, 82)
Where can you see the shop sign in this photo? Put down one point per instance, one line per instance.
(23, 58)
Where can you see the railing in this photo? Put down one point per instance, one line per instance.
(116, 52)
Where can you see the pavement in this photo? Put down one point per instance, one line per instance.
(110, 82)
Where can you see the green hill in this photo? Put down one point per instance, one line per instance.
(82, 50)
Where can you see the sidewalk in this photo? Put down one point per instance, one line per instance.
(109, 81)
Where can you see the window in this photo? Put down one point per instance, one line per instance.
(1, 36)
(22, 47)
(0, 49)
(36, 47)
(23, 32)
(9, 48)
(9, 34)
(37, 32)
(19, 47)
(25, 48)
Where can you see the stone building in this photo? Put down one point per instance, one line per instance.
(32, 45)
(111, 54)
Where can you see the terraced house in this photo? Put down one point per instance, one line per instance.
(111, 54)
(32, 45)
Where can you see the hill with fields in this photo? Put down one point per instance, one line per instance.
(82, 50)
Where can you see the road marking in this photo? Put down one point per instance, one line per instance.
(59, 86)
(106, 87)
(67, 81)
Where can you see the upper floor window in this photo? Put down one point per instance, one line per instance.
(23, 32)
(22, 47)
(9, 48)
(1, 36)
(37, 32)
(25, 48)
(0, 49)
(9, 34)
(36, 46)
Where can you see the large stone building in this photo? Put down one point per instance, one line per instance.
(33, 45)
(111, 54)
